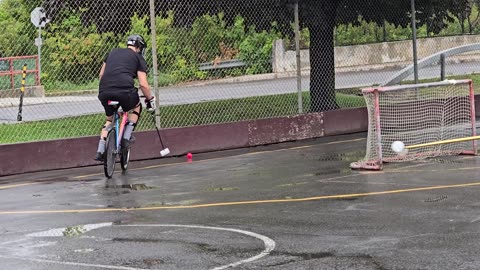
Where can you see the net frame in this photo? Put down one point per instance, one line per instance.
(376, 153)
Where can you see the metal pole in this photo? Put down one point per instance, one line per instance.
(153, 30)
(442, 67)
(299, 68)
(39, 54)
(414, 42)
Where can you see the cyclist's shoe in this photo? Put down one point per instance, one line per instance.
(99, 156)
(127, 143)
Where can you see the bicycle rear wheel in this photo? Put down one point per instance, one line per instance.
(125, 154)
(110, 154)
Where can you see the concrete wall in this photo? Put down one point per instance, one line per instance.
(30, 91)
(376, 56)
(69, 153)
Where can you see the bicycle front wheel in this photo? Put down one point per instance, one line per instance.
(125, 154)
(110, 154)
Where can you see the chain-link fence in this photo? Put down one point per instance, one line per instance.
(217, 61)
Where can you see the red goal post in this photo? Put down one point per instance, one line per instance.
(416, 114)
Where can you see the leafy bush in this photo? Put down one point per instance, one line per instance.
(256, 49)
(208, 31)
(17, 35)
(76, 52)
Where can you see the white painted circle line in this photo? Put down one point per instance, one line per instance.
(268, 242)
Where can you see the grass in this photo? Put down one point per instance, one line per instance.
(204, 113)
(6, 83)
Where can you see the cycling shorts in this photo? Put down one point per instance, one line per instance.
(128, 100)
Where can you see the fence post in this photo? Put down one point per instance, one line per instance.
(12, 78)
(37, 73)
(414, 41)
(299, 68)
(442, 67)
(153, 30)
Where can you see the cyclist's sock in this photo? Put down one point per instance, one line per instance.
(128, 130)
(101, 146)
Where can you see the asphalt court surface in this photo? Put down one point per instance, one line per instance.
(293, 205)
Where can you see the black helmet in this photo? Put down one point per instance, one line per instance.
(138, 42)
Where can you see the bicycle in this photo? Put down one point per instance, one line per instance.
(115, 144)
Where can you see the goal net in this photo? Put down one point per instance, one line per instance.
(416, 114)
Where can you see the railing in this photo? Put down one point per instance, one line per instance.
(7, 68)
(222, 64)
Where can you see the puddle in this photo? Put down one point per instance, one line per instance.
(136, 240)
(346, 199)
(350, 156)
(306, 256)
(221, 189)
(135, 187)
(86, 180)
(153, 262)
(292, 184)
(51, 180)
(436, 199)
(443, 161)
(342, 171)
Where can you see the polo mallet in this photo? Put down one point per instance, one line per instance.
(399, 147)
(22, 89)
(165, 151)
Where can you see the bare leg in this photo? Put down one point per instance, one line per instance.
(103, 138)
(133, 116)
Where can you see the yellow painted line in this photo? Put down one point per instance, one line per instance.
(213, 159)
(339, 196)
(436, 170)
(18, 185)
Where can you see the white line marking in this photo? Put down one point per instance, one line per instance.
(475, 220)
(268, 243)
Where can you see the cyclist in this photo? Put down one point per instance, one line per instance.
(121, 66)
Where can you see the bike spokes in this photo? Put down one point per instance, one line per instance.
(125, 154)
(110, 155)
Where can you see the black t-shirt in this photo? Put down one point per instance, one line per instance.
(121, 70)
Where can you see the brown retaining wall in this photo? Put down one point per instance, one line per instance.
(77, 152)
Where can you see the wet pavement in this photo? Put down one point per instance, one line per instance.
(285, 206)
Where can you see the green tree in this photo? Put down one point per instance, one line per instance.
(18, 33)
(75, 52)
(321, 17)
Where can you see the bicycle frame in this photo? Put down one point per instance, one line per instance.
(120, 128)
(114, 142)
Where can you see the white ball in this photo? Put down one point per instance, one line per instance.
(398, 146)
